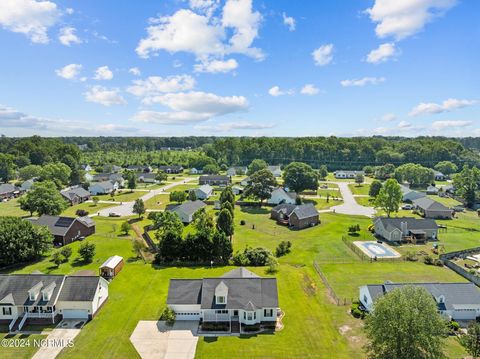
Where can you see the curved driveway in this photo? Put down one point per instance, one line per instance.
(126, 209)
(349, 205)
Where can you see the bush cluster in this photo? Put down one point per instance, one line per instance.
(283, 248)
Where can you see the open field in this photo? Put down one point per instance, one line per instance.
(18, 352)
(159, 201)
(362, 189)
(87, 206)
(12, 208)
(312, 322)
(122, 195)
(365, 201)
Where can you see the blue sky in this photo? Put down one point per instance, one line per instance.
(239, 67)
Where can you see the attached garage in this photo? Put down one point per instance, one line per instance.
(188, 316)
(74, 314)
(464, 314)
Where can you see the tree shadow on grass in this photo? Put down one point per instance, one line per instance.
(254, 210)
(78, 262)
(210, 339)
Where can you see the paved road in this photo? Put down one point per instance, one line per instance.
(349, 205)
(126, 209)
(155, 340)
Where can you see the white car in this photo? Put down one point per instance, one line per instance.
(407, 206)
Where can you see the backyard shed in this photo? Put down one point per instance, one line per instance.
(111, 267)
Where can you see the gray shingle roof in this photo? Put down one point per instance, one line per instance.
(106, 185)
(189, 207)
(305, 211)
(215, 178)
(75, 192)
(245, 290)
(7, 188)
(412, 223)
(16, 286)
(79, 289)
(429, 204)
(58, 226)
(456, 294)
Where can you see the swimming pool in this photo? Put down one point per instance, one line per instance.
(379, 250)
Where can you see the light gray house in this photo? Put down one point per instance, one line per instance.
(8, 190)
(409, 195)
(276, 171)
(439, 176)
(432, 190)
(279, 195)
(456, 301)
(104, 187)
(203, 192)
(27, 185)
(405, 228)
(239, 297)
(186, 210)
(347, 174)
(49, 298)
(234, 171)
(429, 208)
(145, 177)
(75, 195)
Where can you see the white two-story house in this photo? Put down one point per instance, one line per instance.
(238, 297)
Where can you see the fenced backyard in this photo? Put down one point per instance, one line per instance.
(340, 301)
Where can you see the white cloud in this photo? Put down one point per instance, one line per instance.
(323, 55)
(69, 11)
(435, 108)
(363, 81)
(216, 66)
(30, 17)
(309, 89)
(289, 21)
(404, 124)
(389, 117)
(135, 71)
(383, 53)
(202, 35)
(67, 36)
(206, 7)
(104, 96)
(405, 18)
(156, 85)
(69, 72)
(103, 73)
(191, 107)
(442, 125)
(276, 91)
(230, 126)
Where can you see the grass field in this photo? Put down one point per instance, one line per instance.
(87, 206)
(123, 195)
(26, 345)
(159, 201)
(12, 208)
(362, 189)
(313, 324)
(365, 201)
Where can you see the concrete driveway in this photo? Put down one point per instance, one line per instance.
(126, 209)
(156, 340)
(349, 205)
(60, 337)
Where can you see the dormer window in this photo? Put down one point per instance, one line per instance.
(35, 291)
(221, 293)
(221, 300)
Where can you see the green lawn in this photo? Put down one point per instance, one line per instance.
(12, 208)
(158, 202)
(87, 206)
(365, 201)
(313, 325)
(27, 343)
(122, 195)
(362, 189)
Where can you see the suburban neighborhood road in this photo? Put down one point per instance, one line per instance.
(126, 209)
(349, 205)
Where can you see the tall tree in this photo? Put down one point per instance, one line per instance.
(359, 178)
(161, 176)
(467, 184)
(24, 241)
(299, 177)
(446, 167)
(43, 198)
(29, 172)
(471, 340)
(131, 180)
(389, 197)
(87, 251)
(414, 174)
(59, 173)
(139, 207)
(222, 248)
(7, 168)
(256, 165)
(260, 185)
(322, 172)
(227, 195)
(405, 325)
(375, 188)
(178, 196)
(225, 223)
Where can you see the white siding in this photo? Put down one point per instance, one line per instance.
(365, 298)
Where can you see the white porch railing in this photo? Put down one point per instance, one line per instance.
(24, 319)
(39, 315)
(12, 323)
(213, 317)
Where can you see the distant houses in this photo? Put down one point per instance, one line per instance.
(105, 187)
(439, 176)
(137, 168)
(455, 301)
(236, 171)
(8, 191)
(186, 210)
(296, 216)
(65, 230)
(214, 180)
(194, 171)
(144, 177)
(75, 195)
(27, 185)
(343, 174)
(279, 195)
(429, 208)
(275, 170)
(203, 192)
(405, 229)
(173, 169)
(409, 195)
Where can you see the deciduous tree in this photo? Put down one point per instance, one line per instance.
(375, 188)
(139, 207)
(298, 177)
(389, 197)
(43, 198)
(260, 185)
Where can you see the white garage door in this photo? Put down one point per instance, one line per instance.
(74, 314)
(188, 316)
(464, 314)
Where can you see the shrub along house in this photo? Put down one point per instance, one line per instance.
(456, 301)
(296, 216)
(46, 299)
(65, 230)
(240, 300)
(429, 208)
(406, 229)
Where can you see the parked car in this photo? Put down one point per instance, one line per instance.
(113, 214)
(407, 206)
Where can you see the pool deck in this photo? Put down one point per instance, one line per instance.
(361, 246)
